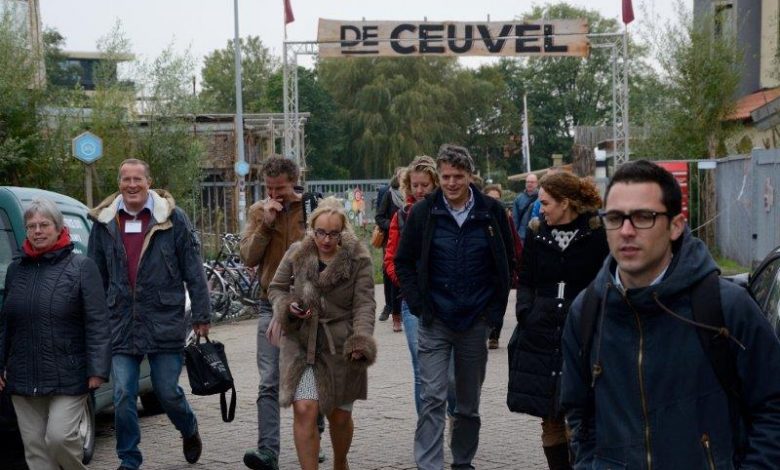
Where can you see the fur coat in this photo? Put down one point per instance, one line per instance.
(341, 298)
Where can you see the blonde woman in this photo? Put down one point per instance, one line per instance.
(323, 301)
(417, 181)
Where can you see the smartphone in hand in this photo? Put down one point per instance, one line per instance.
(299, 310)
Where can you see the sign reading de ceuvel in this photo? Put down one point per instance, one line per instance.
(409, 38)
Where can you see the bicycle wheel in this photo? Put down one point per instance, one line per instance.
(219, 294)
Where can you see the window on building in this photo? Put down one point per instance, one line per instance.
(723, 19)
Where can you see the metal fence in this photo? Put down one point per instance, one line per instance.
(216, 213)
(748, 217)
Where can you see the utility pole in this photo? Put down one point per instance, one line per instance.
(240, 165)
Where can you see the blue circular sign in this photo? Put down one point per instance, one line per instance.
(88, 147)
(242, 168)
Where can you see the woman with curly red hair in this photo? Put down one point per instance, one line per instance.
(563, 251)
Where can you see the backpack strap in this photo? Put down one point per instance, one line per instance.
(707, 309)
(590, 309)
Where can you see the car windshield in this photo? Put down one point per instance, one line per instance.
(79, 232)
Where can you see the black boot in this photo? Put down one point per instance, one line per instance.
(558, 457)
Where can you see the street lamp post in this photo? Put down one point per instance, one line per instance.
(239, 125)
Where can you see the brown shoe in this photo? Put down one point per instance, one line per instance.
(397, 323)
(492, 343)
(192, 447)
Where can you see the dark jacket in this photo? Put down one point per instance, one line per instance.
(521, 212)
(54, 331)
(657, 398)
(150, 318)
(413, 259)
(535, 357)
(386, 211)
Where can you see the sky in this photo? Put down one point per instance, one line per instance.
(205, 25)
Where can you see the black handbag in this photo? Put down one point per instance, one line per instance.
(209, 373)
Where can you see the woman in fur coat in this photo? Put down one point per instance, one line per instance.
(323, 299)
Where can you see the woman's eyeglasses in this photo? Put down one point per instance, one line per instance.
(321, 234)
(40, 225)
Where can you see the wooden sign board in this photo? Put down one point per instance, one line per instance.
(460, 39)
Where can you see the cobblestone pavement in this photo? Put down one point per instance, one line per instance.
(384, 424)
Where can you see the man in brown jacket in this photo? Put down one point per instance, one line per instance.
(274, 223)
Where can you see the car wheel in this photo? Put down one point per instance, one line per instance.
(87, 429)
(151, 404)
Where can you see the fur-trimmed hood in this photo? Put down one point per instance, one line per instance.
(163, 207)
(305, 261)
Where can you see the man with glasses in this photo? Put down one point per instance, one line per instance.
(273, 224)
(639, 388)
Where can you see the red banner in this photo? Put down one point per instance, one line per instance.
(628, 11)
(288, 13)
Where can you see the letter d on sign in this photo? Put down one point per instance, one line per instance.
(344, 30)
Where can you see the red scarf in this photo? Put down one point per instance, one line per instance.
(62, 242)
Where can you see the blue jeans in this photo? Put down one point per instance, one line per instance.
(165, 371)
(410, 330)
(437, 345)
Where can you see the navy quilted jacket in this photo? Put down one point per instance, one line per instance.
(54, 332)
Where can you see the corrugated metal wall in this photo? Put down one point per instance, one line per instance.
(748, 223)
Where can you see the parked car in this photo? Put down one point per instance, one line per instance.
(764, 284)
(13, 202)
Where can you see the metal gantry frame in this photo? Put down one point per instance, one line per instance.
(615, 43)
(293, 120)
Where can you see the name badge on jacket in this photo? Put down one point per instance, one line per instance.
(133, 226)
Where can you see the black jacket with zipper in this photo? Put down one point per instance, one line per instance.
(54, 331)
(535, 357)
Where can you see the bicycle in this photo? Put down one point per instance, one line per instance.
(230, 281)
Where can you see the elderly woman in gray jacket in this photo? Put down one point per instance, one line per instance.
(55, 342)
(323, 299)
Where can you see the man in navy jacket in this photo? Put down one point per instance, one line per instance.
(147, 253)
(653, 399)
(453, 261)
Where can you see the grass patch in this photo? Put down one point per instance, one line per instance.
(729, 267)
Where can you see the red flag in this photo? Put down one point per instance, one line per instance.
(288, 13)
(628, 11)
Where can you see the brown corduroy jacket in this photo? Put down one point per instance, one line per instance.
(264, 246)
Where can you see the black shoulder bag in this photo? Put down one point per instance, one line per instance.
(209, 373)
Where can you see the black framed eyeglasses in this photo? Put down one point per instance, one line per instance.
(322, 234)
(640, 219)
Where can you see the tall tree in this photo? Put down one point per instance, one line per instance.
(323, 136)
(18, 121)
(563, 92)
(218, 77)
(393, 109)
(701, 76)
(163, 135)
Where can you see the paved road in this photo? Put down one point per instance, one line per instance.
(384, 424)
